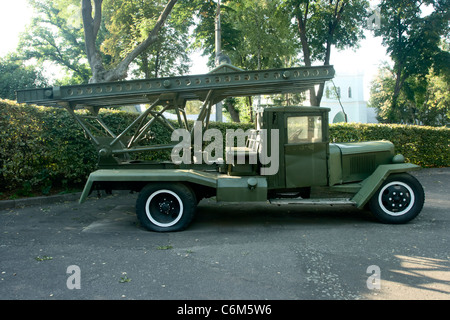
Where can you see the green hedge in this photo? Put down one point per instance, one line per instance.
(43, 149)
(422, 145)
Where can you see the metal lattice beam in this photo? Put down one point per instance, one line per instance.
(235, 83)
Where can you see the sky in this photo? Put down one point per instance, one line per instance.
(16, 14)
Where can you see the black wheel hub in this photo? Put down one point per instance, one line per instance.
(164, 208)
(396, 198)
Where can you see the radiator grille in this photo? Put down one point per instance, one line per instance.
(362, 164)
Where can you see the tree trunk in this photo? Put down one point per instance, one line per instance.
(91, 27)
(145, 68)
(234, 114)
(301, 25)
(399, 82)
(157, 64)
(316, 97)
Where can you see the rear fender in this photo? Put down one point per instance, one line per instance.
(154, 175)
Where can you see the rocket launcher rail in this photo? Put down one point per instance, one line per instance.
(162, 94)
(226, 84)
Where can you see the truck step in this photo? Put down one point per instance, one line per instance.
(324, 201)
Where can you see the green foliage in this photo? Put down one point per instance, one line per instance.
(14, 74)
(325, 23)
(130, 22)
(414, 42)
(55, 34)
(423, 100)
(267, 38)
(204, 36)
(43, 149)
(436, 108)
(255, 34)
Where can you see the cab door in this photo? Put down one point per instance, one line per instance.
(305, 150)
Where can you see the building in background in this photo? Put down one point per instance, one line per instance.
(345, 97)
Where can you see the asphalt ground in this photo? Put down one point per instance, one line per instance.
(232, 251)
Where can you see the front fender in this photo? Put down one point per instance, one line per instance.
(376, 179)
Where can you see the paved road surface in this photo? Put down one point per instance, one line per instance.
(231, 251)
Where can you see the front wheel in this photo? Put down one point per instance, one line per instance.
(399, 199)
(166, 207)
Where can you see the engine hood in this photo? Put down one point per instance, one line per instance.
(365, 147)
(355, 161)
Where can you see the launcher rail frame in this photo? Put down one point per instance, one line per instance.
(169, 93)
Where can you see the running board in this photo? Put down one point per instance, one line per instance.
(325, 201)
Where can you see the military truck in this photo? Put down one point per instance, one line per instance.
(286, 159)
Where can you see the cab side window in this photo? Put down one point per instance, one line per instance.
(304, 129)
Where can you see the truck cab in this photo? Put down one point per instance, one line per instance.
(303, 146)
(314, 171)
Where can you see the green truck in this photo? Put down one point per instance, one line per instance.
(286, 159)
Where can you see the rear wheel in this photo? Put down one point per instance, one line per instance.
(166, 207)
(399, 199)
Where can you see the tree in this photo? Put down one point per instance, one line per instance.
(129, 22)
(436, 107)
(421, 101)
(204, 39)
(15, 75)
(55, 34)
(324, 24)
(267, 39)
(167, 57)
(381, 91)
(92, 18)
(413, 41)
(255, 34)
(204, 31)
